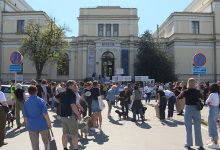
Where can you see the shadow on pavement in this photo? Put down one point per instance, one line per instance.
(15, 132)
(173, 123)
(143, 125)
(100, 138)
(116, 122)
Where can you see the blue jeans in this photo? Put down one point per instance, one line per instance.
(140, 111)
(193, 114)
(171, 102)
(148, 97)
(212, 122)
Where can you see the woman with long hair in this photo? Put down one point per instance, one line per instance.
(192, 114)
(213, 103)
(96, 111)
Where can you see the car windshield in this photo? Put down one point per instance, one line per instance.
(6, 89)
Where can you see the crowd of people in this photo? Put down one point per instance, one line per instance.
(73, 101)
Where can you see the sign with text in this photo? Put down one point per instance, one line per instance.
(124, 78)
(199, 70)
(141, 78)
(15, 68)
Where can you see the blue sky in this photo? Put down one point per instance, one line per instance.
(151, 12)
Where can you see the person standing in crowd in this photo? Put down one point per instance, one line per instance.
(45, 91)
(162, 102)
(171, 101)
(137, 104)
(213, 103)
(177, 90)
(124, 98)
(69, 114)
(88, 99)
(36, 118)
(111, 96)
(192, 113)
(19, 96)
(206, 91)
(96, 111)
(40, 91)
(148, 94)
(3, 112)
(59, 89)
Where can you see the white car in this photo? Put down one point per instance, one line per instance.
(6, 89)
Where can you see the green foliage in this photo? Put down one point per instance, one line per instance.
(44, 44)
(153, 62)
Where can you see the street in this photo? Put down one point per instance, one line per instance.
(118, 135)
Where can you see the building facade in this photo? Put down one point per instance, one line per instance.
(107, 41)
(195, 30)
(14, 17)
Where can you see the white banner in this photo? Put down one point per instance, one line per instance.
(124, 78)
(141, 78)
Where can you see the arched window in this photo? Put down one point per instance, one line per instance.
(63, 65)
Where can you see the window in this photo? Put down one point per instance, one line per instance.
(100, 29)
(20, 26)
(195, 27)
(108, 30)
(63, 65)
(115, 30)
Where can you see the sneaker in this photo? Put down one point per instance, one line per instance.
(209, 142)
(201, 148)
(187, 147)
(213, 146)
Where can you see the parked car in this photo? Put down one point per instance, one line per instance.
(6, 89)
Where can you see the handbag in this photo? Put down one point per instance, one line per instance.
(101, 103)
(199, 105)
(52, 143)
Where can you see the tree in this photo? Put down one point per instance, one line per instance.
(44, 44)
(153, 62)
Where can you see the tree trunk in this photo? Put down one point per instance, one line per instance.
(39, 69)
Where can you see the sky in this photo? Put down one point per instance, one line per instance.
(150, 12)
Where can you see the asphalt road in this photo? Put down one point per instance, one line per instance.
(118, 134)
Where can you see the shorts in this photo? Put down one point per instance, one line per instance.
(70, 125)
(95, 106)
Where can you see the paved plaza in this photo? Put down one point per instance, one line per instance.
(119, 135)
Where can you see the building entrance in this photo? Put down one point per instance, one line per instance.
(108, 64)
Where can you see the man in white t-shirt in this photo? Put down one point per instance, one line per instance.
(3, 113)
(147, 92)
(171, 101)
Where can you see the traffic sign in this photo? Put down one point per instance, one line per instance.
(199, 70)
(15, 68)
(16, 57)
(199, 59)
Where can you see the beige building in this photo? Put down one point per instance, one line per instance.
(195, 30)
(107, 41)
(14, 16)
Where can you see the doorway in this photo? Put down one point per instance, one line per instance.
(108, 64)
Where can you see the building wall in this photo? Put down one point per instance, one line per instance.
(183, 44)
